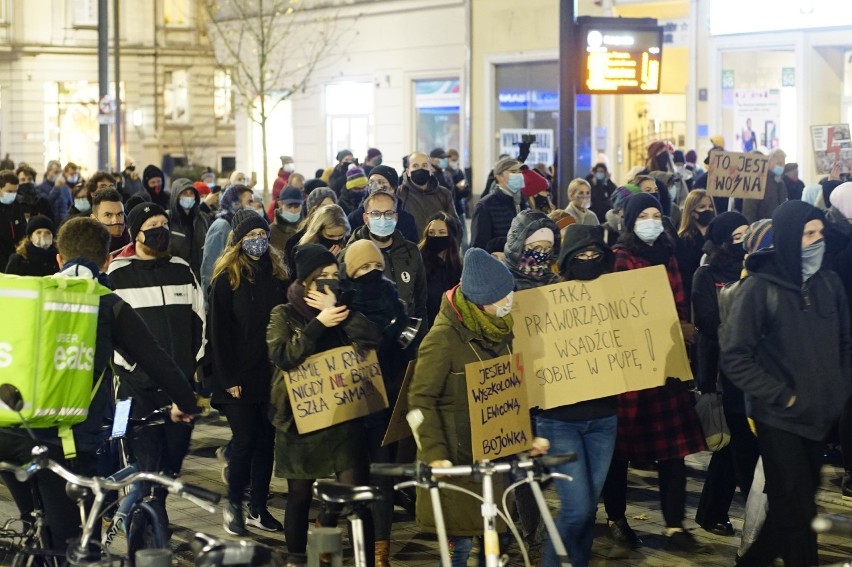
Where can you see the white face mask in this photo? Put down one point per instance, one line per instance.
(42, 242)
(506, 308)
(290, 167)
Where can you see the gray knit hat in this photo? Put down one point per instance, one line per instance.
(484, 278)
(318, 195)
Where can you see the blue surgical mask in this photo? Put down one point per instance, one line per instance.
(256, 246)
(600, 175)
(443, 163)
(515, 182)
(291, 217)
(812, 259)
(778, 170)
(187, 202)
(73, 179)
(382, 227)
(7, 198)
(211, 184)
(82, 205)
(648, 230)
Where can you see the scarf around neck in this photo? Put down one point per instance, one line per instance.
(493, 328)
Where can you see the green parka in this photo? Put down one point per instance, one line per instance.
(438, 391)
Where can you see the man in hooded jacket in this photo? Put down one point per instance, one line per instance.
(154, 182)
(188, 224)
(786, 343)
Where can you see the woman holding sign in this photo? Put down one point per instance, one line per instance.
(309, 324)
(472, 327)
(658, 424)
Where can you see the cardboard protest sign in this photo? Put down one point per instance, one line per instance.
(398, 427)
(335, 386)
(584, 340)
(499, 409)
(832, 145)
(738, 175)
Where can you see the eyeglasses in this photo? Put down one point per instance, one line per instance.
(388, 215)
(540, 249)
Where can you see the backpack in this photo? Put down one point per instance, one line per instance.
(47, 348)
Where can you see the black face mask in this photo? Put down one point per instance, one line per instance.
(542, 204)
(704, 217)
(333, 286)
(328, 242)
(737, 251)
(586, 269)
(437, 243)
(157, 238)
(371, 278)
(420, 176)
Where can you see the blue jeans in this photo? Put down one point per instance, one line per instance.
(594, 441)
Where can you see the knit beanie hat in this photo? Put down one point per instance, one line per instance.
(355, 178)
(635, 205)
(40, 221)
(505, 164)
(758, 236)
(691, 157)
(841, 199)
(721, 228)
(342, 154)
(677, 156)
(309, 257)
(792, 166)
(534, 183)
(136, 199)
(290, 196)
(485, 279)
(312, 184)
(388, 173)
(140, 213)
(359, 253)
(245, 221)
(543, 234)
(656, 148)
(319, 195)
(373, 152)
(619, 198)
(201, 188)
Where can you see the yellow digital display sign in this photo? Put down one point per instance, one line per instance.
(621, 61)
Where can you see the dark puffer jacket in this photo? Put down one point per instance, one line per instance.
(492, 217)
(188, 228)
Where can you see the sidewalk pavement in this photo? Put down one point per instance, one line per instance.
(410, 547)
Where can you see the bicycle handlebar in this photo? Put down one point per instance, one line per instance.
(421, 469)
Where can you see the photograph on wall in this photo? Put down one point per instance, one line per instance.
(832, 144)
(757, 114)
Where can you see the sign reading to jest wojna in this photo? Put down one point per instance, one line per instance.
(499, 410)
(335, 386)
(584, 340)
(738, 175)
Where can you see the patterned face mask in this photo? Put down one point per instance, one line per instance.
(256, 246)
(534, 263)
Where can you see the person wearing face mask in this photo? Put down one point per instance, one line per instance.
(439, 249)
(52, 173)
(129, 183)
(776, 190)
(579, 201)
(603, 189)
(373, 159)
(336, 176)
(493, 214)
(36, 253)
(249, 280)
(154, 182)
(310, 323)
(233, 200)
(473, 325)
(384, 178)
(586, 428)
(657, 424)
(188, 224)
(327, 226)
(32, 203)
(145, 269)
(288, 166)
(733, 465)
(403, 264)
(355, 189)
(793, 361)
(441, 165)
(795, 186)
(288, 215)
(615, 217)
(81, 203)
(698, 212)
(12, 222)
(422, 194)
(536, 191)
(71, 173)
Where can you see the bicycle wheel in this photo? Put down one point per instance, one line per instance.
(147, 529)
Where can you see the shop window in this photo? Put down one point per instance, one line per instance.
(349, 115)
(85, 13)
(176, 97)
(223, 97)
(436, 114)
(177, 13)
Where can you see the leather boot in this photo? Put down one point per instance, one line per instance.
(383, 553)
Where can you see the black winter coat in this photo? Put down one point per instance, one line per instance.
(237, 333)
(13, 227)
(188, 230)
(38, 262)
(492, 218)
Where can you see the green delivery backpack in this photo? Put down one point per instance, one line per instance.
(47, 347)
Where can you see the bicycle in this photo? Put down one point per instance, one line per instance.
(536, 471)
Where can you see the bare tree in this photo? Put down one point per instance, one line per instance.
(271, 49)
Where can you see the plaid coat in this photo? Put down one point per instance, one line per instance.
(659, 423)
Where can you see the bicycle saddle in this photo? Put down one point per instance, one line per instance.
(337, 493)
